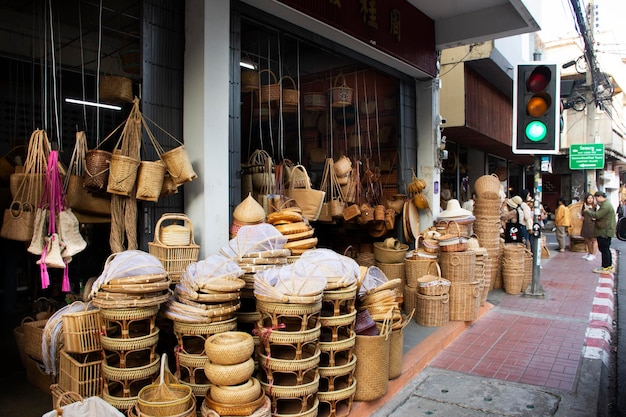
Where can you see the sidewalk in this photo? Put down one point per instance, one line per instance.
(556, 346)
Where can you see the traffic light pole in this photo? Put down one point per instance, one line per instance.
(535, 289)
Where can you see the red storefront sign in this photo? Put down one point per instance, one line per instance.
(392, 26)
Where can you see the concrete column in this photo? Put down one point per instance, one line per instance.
(205, 120)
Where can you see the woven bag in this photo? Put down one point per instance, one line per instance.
(18, 222)
(150, 177)
(372, 367)
(96, 172)
(290, 96)
(271, 90)
(309, 200)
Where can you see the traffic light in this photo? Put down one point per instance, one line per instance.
(536, 108)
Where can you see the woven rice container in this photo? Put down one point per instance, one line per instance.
(513, 274)
(464, 300)
(392, 270)
(432, 310)
(372, 367)
(458, 266)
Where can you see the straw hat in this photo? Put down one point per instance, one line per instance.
(513, 202)
(453, 209)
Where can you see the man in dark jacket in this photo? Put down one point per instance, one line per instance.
(604, 230)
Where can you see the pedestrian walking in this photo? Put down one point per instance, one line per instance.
(587, 231)
(604, 230)
(527, 208)
(562, 222)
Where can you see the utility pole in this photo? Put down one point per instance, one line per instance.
(535, 289)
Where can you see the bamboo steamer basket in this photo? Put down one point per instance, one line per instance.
(229, 374)
(122, 174)
(229, 348)
(236, 394)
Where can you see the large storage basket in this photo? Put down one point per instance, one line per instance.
(458, 266)
(372, 367)
(33, 334)
(432, 310)
(487, 185)
(513, 275)
(174, 258)
(464, 300)
(80, 372)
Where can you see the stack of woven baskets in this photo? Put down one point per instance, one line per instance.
(337, 364)
(295, 228)
(204, 304)
(482, 273)
(487, 225)
(81, 357)
(174, 244)
(513, 263)
(432, 294)
(465, 290)
(389, 256)
(229, 369)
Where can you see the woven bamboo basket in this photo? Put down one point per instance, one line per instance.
(178, 165)
(150, 176)
(452, 241)
(487, 185)
(248, 409)
(236, 394)
(464, 300)
(339, 352)
(290, 96)
(392, 270)
(229, 348)
(249, 81)
(528, 269)
(372, 367)
(414, 268)
(167, 397)
(293, 316)
(174, 258)
(80, 373)
(458, 266)
(33, 334)
(116, 89)
(341, 95)
(271, 90)
(431, 284)
(343, 369)
(274, 367)
(396, 351)
(342, 300)
(130, 344)
(513, 274)
(387, 255)
(81, 331)
(338, 401)
(409, 300)
(97, 169)
(432, 310)
(130, 374)
(122, 174)
(229, 374)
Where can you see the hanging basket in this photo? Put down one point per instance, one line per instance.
(291, 96)
(97, 170)
(341, 94)
(179, 165)
(150, 177)
(116, 89)
(315, 100)
(249, 81)
(122, 174)
(270, 91)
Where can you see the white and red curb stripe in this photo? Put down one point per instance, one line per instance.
(600, 328)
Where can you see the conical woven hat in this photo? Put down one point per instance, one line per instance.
(249, 210)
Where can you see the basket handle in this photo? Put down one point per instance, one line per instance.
(287, 77)
(438, 268)
(343, 79)
(172, 216)
(272, 74)
(71, 395)
(458, 229)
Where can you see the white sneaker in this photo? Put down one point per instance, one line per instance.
(586, 255)
(590, 257)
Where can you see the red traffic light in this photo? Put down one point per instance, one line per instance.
(539, 79)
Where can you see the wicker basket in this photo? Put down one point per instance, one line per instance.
(372, 367)
(236, 394)
(464, 301)
(122, 174)
(452, 241)
(432, 310)
(150, 177)
(513, 274)
(430, 284)
(33, 334)
(389, 255)
(249, 81)
(167, 397)
(392, 270)
(487, 185)
(81, 373)
(81, 331)
(340, 94)
(458, 266)
(229, 348)
(97, 170)
(271, 90)
(116, 89)
(290, 96)
(174, 258)
(178, 165)
(229, 374)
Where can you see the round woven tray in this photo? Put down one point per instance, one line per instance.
(343, 320)
(338, 394)
(232, 409)
(308, 387)
(229, 374)
(199, 390)
(130, 374)
(136, 313)
(138, 279)
(145, 300)
(223, 284)
(288, 309)
(248, 317)
(344, 293)
(121, 403)
(132, 343)
(289, 365)
(208, 297)
(229, 348)
(244, 393)
(140, 288)
(204, 329)
(284, 338)
(339, 345)
(338, 370)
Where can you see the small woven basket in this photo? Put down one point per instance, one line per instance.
(81, 373)
(271, 90)
(229, 348)
(81, 331)
(340, 94)
(122, 174)
(431, 284)
(97, 169)
(389, 255)
(452, 241)
(229, 374)
(178, 165)
(166, 398)
(290, 96)
(458, 266)
(487, 184)
(116, 89)
(150, 177)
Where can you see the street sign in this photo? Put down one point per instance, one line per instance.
(586, 156)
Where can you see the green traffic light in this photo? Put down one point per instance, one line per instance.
(536, 131)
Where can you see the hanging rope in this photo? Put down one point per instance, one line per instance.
(54, 78)
(98, 73)
(82, 65)
(299, 110)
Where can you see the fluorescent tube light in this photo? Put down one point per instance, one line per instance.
(94, 104)
(246, 62)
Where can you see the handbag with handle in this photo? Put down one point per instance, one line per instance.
(309, 200)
